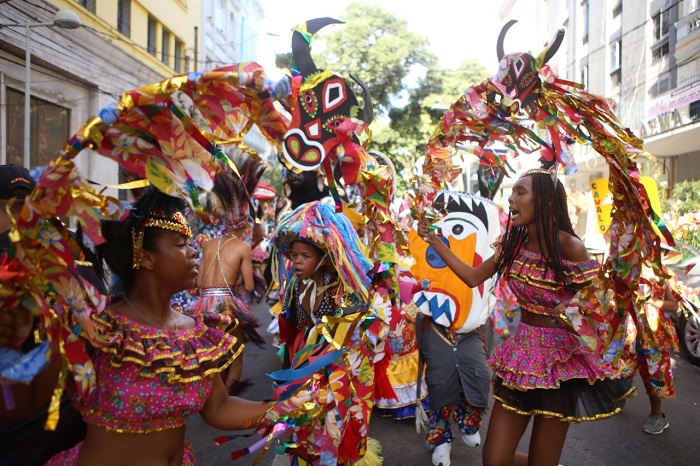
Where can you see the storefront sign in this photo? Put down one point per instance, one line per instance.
(602, 200)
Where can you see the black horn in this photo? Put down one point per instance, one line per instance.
(552, 49)
(501, 38)
(368, 110)
(300, 46)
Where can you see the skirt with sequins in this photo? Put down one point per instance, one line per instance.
(547, 371)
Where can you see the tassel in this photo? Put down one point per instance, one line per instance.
(382, 385)
(351, 440)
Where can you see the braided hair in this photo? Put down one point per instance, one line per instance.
(118, 250)
(551, 216)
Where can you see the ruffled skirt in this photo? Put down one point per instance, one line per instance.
(220, 301)
(547, 371)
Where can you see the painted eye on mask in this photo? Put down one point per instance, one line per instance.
(460, 229)
(433, 258)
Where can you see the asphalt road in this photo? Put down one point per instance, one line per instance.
(615, 441)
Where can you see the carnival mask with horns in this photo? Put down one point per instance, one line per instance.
(324, 104)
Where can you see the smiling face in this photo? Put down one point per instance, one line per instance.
(306, 259)
(174, 260)
(522, 202)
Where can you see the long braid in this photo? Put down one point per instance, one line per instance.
(551, 216)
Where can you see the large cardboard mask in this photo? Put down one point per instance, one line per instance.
(323, 102)
(469, 226)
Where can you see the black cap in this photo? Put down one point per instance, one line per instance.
(13, 177)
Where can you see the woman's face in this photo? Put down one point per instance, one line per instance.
(522, 202)
(175, 261)
(305, 259)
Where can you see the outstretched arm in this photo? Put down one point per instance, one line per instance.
(226, 412)
(472, 276)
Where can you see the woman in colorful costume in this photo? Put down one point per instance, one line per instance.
(158, 366)
(543, 370)
(330, 333)
(226, 264)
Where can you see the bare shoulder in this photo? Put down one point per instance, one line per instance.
(572, 248)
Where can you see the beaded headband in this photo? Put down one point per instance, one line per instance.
(158, 219)
(537, 170)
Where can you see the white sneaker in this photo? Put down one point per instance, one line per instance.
(441, 454)
(473, 440)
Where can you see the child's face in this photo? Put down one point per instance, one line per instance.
(305, 259)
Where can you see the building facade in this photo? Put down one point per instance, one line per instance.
(645, 55)
(121, 45)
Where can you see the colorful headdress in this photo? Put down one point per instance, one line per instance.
(319, 224)
(158, 219)
(230, 198)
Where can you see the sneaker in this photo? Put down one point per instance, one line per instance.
(656, 424)
(441, 454)
(473, 440)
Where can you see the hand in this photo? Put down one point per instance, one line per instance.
(424, 229)
(15, 326)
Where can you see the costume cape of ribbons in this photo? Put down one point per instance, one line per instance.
(486, 113)
(148, 133)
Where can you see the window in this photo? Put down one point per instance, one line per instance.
(694, 5)
(88, 4)
(151, 39)
(660, 25)
(584, 6)
(584, 76)
(662, 86)
(49, 129)
(165, 47)
(694, 110)
(615, 55)
(177, 52)
(124, 17)
(659, 52)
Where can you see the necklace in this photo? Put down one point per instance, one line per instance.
(141, 315)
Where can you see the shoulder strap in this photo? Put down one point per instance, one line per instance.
(218, 259)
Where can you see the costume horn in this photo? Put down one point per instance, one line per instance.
(501, 38)
(301, 38)
(367, 113)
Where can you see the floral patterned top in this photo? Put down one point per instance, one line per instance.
(150, 379)
(534, 285)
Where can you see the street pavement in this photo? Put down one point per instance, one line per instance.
(612, 442)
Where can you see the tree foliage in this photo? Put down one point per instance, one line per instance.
(409, 91)
(376, 47)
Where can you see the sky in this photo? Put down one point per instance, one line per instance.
(457, 29)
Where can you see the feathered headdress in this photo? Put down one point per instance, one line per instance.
(318, 223)
(230, 198)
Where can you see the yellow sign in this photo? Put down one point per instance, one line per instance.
(602, 200)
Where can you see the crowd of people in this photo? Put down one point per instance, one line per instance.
(162, 365)
(172, 282)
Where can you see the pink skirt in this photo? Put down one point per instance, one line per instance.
(548, 372)
(541, 357)
(70, 457)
